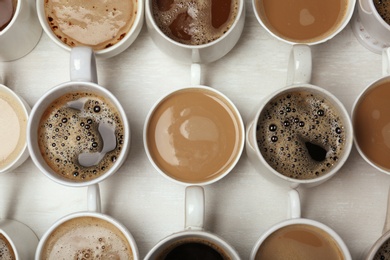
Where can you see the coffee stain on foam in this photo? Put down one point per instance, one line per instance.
(306, 18)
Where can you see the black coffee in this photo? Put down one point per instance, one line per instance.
(300, 134)
(383, 252)
(193, 251)
(383, 8)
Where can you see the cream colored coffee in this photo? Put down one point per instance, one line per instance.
(302, 21)
(193, 135)
(86, 238)
(6, 251)
(98, 24)
(13, 127)
(194, 22)
(301, 134)
(299, 241)
(66, 132)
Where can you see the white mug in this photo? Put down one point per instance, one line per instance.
(108, 52)
(94, 211)
(369, 27)
(196, 84)
(22, 34)
(22, 110)
(83, 78)
(203, 53)
(294, 218)
(193, 229)
(342, 24)
(298, 78)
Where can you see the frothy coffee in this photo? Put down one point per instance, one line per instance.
(194, 22)
(6, 251)
(86, 238)
(66, 131)
(301, 134)
(299, 241)
(383, 9)
(97, 24)
(383, 252)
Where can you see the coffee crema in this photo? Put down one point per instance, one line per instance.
(13, 127)
(299, 241)
(371, 120)
(302, 21)
(301, 134)
(194, 22)
(86, 238)
(194, 135)
(6, 251)
(383, 9)
(98, 24)
(65, 132)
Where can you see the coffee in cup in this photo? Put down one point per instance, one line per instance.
(6, 250)
(7, 11)
(383, 9)
(194, 135)
(194, 22)
(96, 24)
(301, 134)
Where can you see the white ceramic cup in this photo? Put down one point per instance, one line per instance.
(298, 78)
(20, 105)
(193, 229)
(22, 34)
(340, 27)
(94, 210)
(109, 52)
(83, 77)
(21, 238)
(203, 53)
(369, 27)
(294, 218)
(196, 79)
(370, 87)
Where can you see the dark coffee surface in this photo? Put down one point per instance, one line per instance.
(383, 8)
(193, 251)
(383, 252)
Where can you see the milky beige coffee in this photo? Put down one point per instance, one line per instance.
(98, 24)
(194, 135)
(6, 251)
(86, 238)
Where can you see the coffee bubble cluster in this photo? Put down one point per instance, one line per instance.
(6, 252)
(383, 8)
(194, 22)
(65, 132)
(383, 252)
(301, 135)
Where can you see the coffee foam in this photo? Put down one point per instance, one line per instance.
(383, 8)
(191, 22)
(6, 251)
(301, 135)
(65, 132)
(87, 238)
(98, 24)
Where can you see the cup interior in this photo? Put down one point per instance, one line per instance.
(15, 15)
(7, 247)
(377, 248)
(34, 121)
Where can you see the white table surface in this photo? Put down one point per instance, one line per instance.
(242, 205)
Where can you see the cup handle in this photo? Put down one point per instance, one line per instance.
(83, 65)
(196, 74)
(386, 227)
(248, 136)
(300, 65)
(93, 198)
(386, 61)
(294, 207)
(194, 208)
(365, 6)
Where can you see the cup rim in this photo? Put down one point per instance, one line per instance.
(9, 240)
(148, 12)
(26, 110)
(347, 124)
(122, 228)
(13, 19)
(239, 122)
(225, 246)
(34, 150)
(342, 25)
(368, 88)
(133, 32)
(377, 15)
(302, 221)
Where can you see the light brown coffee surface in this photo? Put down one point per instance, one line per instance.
(194, 22)
(65, 132)
(301, 134)
(301, 242)
(193, 135)
(6, 251)
(86, 238)
(304, 20)
(98, 24)
(372, 124)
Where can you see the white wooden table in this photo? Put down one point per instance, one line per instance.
(242, 205)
